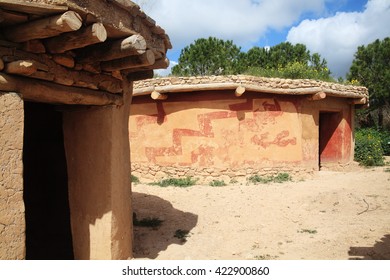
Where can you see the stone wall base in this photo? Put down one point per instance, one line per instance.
(154, 173)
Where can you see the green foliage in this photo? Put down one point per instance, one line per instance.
(210, 56)
(279, 178)
(294, 70)
(134, 179)
(213, 56)
(282, 177)
(217, 183)
(385, 141)
(286, 61)
(176, 182)
(371, 68)
(368, 147)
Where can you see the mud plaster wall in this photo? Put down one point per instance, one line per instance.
(214, 135)
(12, 221)
(97, 152)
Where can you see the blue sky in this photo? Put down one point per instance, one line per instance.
(333, 28)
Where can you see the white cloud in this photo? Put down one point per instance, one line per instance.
(337, 37)
(243, 21)
(166, 72)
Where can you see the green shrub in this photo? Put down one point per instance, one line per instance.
(279, 178)
(282, 177)
(217, 183)
(176, 182)
(134, 179)
(368, 147)
(385, 139)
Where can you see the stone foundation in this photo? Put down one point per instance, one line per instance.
(153, 173)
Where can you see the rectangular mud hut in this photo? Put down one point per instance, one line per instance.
(232, 127)
(66, 78)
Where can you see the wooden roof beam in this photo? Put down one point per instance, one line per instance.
(90, 35)
(47, 92)
(133, 45)
(44, 28)
(146, 59)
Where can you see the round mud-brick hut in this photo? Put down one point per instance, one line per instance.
(66, 77)
(232, 127)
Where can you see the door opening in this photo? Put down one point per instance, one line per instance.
(330, 137)
(48, 231)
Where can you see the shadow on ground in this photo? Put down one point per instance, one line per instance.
(380, 251)
(149, 242)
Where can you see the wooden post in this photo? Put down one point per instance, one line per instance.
(145, 59)
(95, 33)
(44, 28)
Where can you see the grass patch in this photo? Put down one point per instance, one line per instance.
(176, 182)
(310, 231)
(387, 170)
(134, 179)
(217, 183)
(181, 234)
(279, 178)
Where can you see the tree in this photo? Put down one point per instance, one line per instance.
(210, 56)
(286, 61)
(371, 68)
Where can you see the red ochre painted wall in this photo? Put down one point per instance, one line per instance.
(218, 132)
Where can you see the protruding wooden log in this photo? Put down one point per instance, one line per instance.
(11, 18)
(145, 59)
(21, 67)
(359, 101)
(47, 92)
(64, 60)
(317, 96)
(155, 95)
(44, 28)
(1, 64)
(133, 45)
(95, 33)
(239, 91)
(137, 76)
(34, 46)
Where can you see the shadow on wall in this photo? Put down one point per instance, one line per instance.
(149, 242)
(380, 251)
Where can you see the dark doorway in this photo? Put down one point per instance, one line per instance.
(330, 135)
(48, 232)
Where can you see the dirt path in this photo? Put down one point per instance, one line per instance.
(333, 215)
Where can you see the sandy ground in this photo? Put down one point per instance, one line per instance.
(332, 215)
